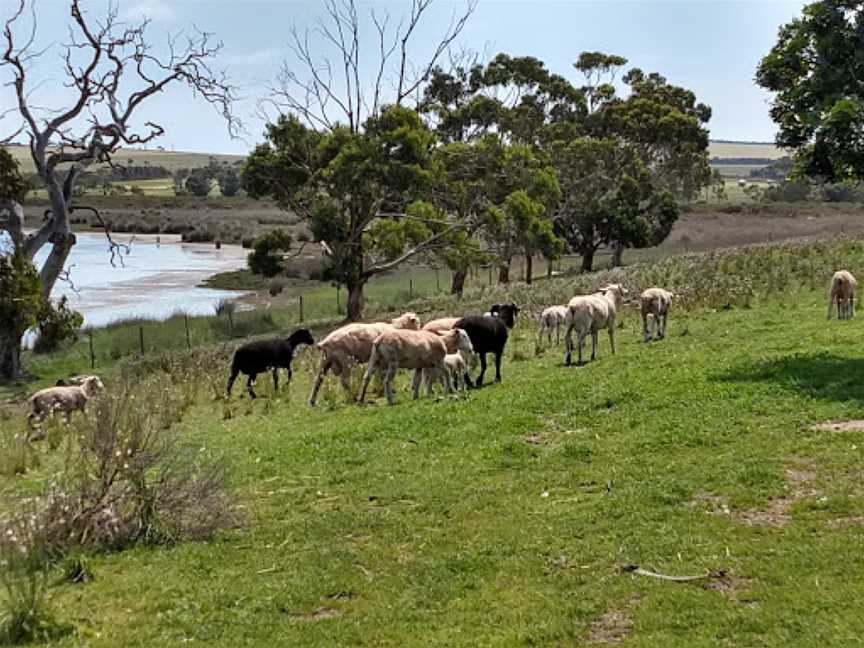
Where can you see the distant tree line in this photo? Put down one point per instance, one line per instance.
(199, 181)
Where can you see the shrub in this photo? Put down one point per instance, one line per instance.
(57, 325)
(198, 183)
(842, 192)
(788, 191)
(275, 287)
(266, 256)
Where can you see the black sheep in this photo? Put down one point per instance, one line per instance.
(506, 312)
(488, 335)
(257, 357)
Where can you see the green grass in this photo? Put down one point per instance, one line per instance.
(425, 524)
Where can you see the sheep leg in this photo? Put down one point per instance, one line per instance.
(249, 381)
(568, 346)
(557, 334)
(231, 380)
(370, 370)
(612, 335)
(663, 328)
(581, 343)
(498, 367)
(388, 383)
(275, 378)
(593, 344)
(646, 334)
(448, 386)
(482, 370)
(415, 385)
(319, 379)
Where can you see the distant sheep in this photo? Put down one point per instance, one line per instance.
(842, 292)
(352, 344)
(654, 303)
(396, 349)
(590, 313)
(257, 357)
(66, 399)
(551, 318)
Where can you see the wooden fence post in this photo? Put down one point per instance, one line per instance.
(410, 289)
(186, 322)
(92, 355)
(141, 338)
(301, 309)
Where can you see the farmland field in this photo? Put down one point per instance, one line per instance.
(744, 150)
(506, 516)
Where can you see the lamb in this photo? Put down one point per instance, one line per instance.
(842, 291)
(456, 364)
(553, 318)
(419, 350)
(257, 357)
(351, 344)
(67, 399)
(654, 304)
(488, 335)
(590, 313)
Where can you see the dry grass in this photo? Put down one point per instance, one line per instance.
(744, 150)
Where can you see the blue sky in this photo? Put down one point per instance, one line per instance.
(712, 47)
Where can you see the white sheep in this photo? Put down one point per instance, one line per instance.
(418, 350)
(66, 399)
(440, 325)
(590, 313)
(456, 364)
(842, 291)
(654, 304)
(553, 317)
(352, 344)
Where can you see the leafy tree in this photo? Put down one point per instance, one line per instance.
(816, 70)
(608, 196)
(353, 190)
(199, 182)
(21, 305)
(229, 182)
(268, 251)
(57, 324)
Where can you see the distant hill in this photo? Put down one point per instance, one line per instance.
(729, 149)
(171, 160)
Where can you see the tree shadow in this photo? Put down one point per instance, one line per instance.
(824, 376)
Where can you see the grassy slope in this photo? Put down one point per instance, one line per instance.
(423, 524)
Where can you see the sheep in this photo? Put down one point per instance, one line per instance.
(398, 348)
(506, 312)
(75, 380)
(257, 357)
(590, 313)
(456, 364)
(553, 317)
(440, 325)
(66, 398)
(842, 291)
(654, 303)
(488, 335)
(350, 344)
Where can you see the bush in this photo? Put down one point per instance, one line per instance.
(275, 287)
(57, 325)
(788, 191)
(199, 183)
(266, 256)
(842, 192)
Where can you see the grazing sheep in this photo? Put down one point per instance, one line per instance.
(553, 318)
(488, 334)
(257, 357)
(396, 349)
(842, 291)
(66, 398)
(351, 344)
(76, 380)
(590, 313)
(456, 364)
(654, 304)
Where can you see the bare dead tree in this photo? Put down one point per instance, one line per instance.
(326, 91)
(112, 70)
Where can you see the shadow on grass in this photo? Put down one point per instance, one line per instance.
(824, 376)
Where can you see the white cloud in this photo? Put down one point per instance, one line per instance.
(156, 10)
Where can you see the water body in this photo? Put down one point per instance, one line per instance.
(154, 282)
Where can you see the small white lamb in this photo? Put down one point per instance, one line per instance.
(842, 291)
(654, 304)
(553, 317)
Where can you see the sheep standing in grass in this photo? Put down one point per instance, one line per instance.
(590, 313)
(66, 399)
(440, 325)
(396, 349)
(842, 291)
(488, 334)
(352, 344)
(654, 303)
(456, 364)
(257, 357)
(553, 317)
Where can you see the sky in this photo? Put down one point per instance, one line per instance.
(709, 46)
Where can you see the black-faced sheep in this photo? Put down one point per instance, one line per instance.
(488, 334)
(257, 357)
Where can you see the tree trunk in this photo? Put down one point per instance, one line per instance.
(549, 268)
(588, 260)
(457, 286)
(529, 268)
(504, 273)
(354, 308)
(617, 254)
(10, 357)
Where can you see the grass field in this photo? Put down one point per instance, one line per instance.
(503, 517)
(744, 150)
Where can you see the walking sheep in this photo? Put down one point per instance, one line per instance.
(553, 317)
(396, 349)
(842, 291)
(590, 313)
(257, 357)
(351, 344)
(488, 334)
(66, 399)
(654, 304)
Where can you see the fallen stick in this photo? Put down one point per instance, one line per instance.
(636, 569)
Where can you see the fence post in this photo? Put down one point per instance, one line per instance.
(301, 309)
(437, 284)
(141, 338)
(410, 289)
(338, 308)
(92, 355)
(490, 275)
(186, 322)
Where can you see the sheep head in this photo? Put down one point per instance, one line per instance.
(407, 321)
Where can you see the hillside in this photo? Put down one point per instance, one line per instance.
(725, 149)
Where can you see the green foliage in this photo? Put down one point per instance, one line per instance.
(815, 70)
(229, 182)
(57, 325)
(267, 252)
(13, 184)
(199, 182)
